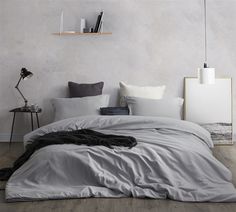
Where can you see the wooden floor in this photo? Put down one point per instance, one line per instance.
(226, 154)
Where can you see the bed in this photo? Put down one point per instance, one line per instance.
(172, 160)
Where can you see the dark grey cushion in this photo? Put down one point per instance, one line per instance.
(83, 90)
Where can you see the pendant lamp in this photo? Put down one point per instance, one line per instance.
(206, 75)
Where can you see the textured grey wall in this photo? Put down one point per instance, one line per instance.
(153, 42)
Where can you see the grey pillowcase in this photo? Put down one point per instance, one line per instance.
(83, 90)
(167, 107)
(72, 107)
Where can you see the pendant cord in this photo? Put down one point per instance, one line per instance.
(205, 30)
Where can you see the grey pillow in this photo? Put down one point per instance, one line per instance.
(83, 90)
(167, 107)
(72, 107)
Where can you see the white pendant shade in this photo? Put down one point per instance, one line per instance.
(206, 75)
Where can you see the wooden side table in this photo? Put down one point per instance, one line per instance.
(24, 110)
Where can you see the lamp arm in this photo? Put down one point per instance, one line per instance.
(18, 82)
(26, 101)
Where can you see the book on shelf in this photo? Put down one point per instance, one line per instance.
(61, 22)
(100, 29)
(99, 22)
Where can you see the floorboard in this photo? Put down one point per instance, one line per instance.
(226, 154)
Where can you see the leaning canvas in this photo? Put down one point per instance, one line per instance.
(211, 107)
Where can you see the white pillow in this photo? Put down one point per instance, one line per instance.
(167, 107)
(71, 107)
(152, 92)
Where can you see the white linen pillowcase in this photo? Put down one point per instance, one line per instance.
(151, 92)
(71, 107)
(167, 107)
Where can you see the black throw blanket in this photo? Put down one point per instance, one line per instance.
(78, 137)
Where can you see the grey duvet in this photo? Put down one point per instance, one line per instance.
(172, 160)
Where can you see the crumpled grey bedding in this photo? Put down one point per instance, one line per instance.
(171, 160)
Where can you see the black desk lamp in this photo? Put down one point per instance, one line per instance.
(24, 74)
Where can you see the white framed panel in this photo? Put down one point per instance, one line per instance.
(208, 103)
(210, 106)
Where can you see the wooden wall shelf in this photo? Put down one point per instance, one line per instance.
(79, 33)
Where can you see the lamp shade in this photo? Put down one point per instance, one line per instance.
(206, 75)
(25, 73)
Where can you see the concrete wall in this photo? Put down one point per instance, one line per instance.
(154, 42)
